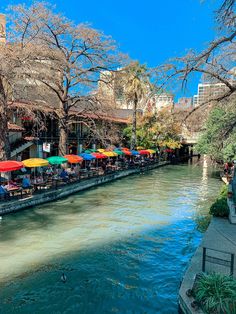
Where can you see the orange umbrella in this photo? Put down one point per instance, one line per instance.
(73, 159)
(127, 152)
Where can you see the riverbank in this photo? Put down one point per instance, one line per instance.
(70, 188)
(220, 242)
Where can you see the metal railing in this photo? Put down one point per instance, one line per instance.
(218, 261)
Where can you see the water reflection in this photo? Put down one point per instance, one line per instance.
(123, 246)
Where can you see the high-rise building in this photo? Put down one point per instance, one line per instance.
(195, 100)
(210, 91)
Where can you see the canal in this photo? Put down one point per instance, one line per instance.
(123, 246)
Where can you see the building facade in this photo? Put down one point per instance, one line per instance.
(209, 91)
(164, 100)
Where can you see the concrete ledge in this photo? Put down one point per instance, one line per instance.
(220, 236)
(231, 204)
(68, 189)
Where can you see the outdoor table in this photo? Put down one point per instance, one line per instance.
(13, 190)
(39, 186)
(83, 173)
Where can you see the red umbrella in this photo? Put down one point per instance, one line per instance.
(168, 150)
(73, 159)
(10, 165)
(99, 155)
(144, 152)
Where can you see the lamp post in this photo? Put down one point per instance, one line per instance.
(79, 135)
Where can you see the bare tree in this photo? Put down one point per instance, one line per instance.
(216, 63)
(4, 143)
(69, 58)
(9, 61)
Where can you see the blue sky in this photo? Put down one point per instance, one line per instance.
(150, 31)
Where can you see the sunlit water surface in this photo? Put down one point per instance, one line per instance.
(123, 246)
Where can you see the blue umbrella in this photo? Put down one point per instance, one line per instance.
(86, 156)
(134, 152)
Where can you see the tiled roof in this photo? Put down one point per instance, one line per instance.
(87, 111)
(15, 128)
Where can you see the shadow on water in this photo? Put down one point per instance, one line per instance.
(120, 277)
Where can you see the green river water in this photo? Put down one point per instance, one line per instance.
(123, 246)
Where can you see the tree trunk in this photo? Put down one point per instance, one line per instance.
(134, 125)
(63, 138)
(4, 139)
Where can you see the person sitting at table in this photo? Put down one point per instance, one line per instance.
(11, 184)
(49, 171)
(3, 191)
(26, 182)
(71, 172)
(64, 175)
(39, 180)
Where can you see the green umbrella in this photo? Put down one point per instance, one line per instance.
(56, 160)
(119, 152)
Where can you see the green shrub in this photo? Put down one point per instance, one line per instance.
(216, 293)
(224, 190)
(202, 222)
(220, 207)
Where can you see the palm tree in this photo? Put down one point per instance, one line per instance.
(137, 87)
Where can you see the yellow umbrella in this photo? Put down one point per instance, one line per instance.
(101, 150)
(151, 151)
(140, 147)
(110, 154)
(35, 162)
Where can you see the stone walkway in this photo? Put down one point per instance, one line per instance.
(220, 236)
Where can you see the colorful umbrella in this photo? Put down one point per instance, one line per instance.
(56, 160)
(127, 152)
(10, 165)
(151, 151)
(101, 150)
(119, 152)
(73, 159)
(110, 154)
(99, 155)
(35, 162)
(144, 152)
(140, 147)
(87, 156)
(134, 152)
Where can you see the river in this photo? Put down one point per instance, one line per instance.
(123, 246)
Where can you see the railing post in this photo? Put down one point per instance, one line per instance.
(232, 265)
(203, 259)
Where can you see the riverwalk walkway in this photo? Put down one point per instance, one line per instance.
(69, 188)
(220, 245)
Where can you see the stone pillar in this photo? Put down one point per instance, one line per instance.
(2, 29)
